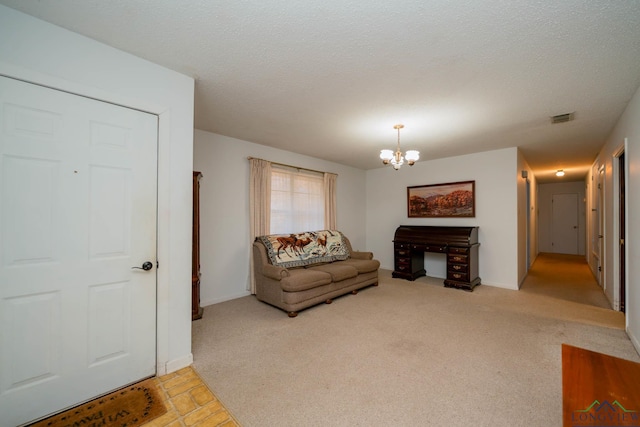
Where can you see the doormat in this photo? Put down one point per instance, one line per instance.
(129, 407)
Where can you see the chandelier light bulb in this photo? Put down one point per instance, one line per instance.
(560, 172)
(386, 156)
(397, 161)
(412, 156)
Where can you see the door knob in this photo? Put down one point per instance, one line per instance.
(146, 266)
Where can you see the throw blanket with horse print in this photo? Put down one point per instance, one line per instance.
(300, 249)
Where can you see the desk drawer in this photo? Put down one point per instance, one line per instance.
(457, 258)
(458, 276)
(403, 261)
(454, 250)
(459, 268)
(430, 248)
(402, 252)
(403, 267)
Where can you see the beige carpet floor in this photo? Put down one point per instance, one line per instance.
(409, 353)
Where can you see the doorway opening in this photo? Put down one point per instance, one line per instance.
(620, 226)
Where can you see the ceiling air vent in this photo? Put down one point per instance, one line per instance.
(562, 118)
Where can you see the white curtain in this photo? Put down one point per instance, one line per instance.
(330, 201)
(259, 206)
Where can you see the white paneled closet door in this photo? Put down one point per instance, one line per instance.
(564, 223)
(78, 191)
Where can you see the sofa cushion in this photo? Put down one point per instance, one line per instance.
(301, 279)
(312, 247)
(363, 265)
(338, 270)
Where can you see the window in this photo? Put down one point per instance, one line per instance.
(297, 200)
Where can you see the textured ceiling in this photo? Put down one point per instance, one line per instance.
(330, 79)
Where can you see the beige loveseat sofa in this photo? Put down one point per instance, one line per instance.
(296, 271)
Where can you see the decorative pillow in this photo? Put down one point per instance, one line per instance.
(311, 247)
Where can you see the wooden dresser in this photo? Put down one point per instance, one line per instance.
(459, 244)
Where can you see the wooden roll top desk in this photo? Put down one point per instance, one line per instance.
(460, 244)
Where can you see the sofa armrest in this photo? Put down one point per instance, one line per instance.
(361, 255)
(274, 272)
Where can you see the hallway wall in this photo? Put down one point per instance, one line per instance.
(625, 136)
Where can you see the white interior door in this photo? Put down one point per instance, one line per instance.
(78, 187)
(565, 223)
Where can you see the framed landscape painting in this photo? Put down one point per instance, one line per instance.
(453, 199)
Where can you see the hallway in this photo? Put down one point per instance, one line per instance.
(565, 277)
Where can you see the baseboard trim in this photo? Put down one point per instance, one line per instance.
(175, 365)
(223, 299)
(634, 340)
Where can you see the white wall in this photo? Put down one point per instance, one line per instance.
(225, 245)
(495, 174)
(628, 127)
(545, 213)
(38, 52)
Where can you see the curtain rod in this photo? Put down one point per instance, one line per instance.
(289, 166)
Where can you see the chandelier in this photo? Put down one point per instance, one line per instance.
(396, 159)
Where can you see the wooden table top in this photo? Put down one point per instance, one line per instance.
(599, 390)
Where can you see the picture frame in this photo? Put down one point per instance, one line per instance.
(448, 200)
